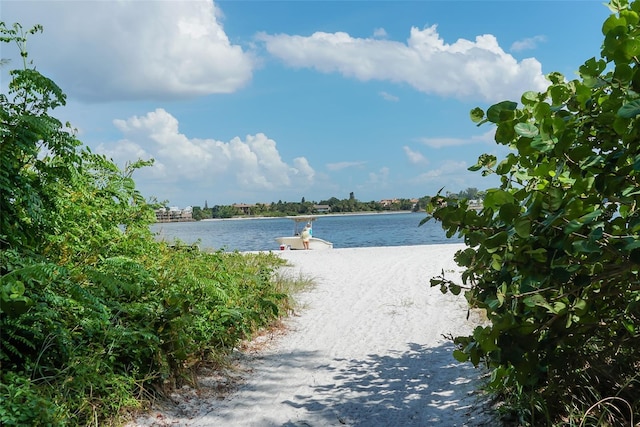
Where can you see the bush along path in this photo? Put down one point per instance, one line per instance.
(554, 255)
(95, 315)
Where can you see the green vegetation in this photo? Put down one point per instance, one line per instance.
(94, 314)
(554, 255)
(280, 208)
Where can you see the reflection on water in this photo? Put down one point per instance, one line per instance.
(345, 231)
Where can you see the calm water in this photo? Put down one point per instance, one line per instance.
(347, 231)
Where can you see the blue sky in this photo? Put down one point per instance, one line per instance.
(260, 101)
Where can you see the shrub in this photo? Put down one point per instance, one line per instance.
(94, 313)
(554, 255)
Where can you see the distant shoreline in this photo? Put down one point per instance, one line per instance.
(241, 218)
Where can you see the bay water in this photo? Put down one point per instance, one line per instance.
(344, 231)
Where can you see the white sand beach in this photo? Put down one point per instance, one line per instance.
(364, 348)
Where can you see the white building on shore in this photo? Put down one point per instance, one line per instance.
(174, 214)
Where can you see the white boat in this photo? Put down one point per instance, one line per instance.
(295, 241)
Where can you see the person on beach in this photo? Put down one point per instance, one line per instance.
(306, 236)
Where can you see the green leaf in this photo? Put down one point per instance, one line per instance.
(633, 244)
(583, 94)
(497, 240)
(501, 111)
(580, 307)
(496, 264)
(629, 326)
(505, 165)
(631, 48)
(611, 23)
(630, 110)
(576, 224)
(559, 307)
(592, 161)
(526, 130)
(621, 125)
(630, 16)
(477, 115)
(559, 94)
(555, 77)
(541, 111)
(475, 167)
(460, 356)
(556, 196)
(592, 68)
(624, 73)
(508, 212)
(586, 246)
(497, 197)
(465, 258)
(588, 218)
(492, 304)
(542, 144)
(535, 300)
(505, 133)
(523, 227)
(529, 97)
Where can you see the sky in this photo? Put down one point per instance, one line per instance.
(242, 101)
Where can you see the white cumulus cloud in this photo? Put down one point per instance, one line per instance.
(478, 69)
(302, 168)
(127, 49)
(253, 163)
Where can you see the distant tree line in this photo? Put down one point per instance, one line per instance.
(470, 193)
(305, 207)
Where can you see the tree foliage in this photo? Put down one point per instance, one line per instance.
(554, 255)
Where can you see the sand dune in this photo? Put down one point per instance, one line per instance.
(366, 348)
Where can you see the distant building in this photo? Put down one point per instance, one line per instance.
(322, 208)
(244, 208)
(174, 214)
(476, 204)
(388, 202)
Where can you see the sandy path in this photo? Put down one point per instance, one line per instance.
(366, 349)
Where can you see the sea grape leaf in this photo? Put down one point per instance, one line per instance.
(529, 97)
(522, 227)
(630, 110)
(497, 197)
(496, 112)
(526, 130)
(460, 356)
(477, 115)
(542, 144)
